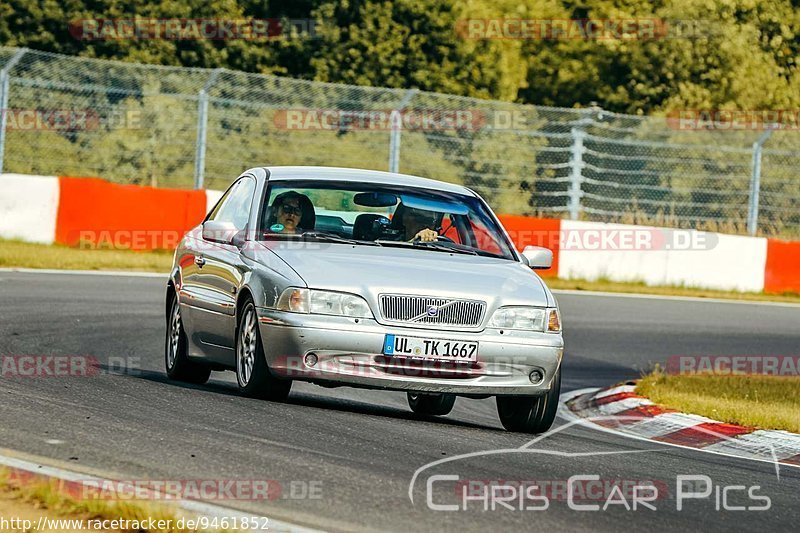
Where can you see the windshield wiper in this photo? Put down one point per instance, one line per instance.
(332, 237)
(457, 247)
(316, 235)
(439, 246)
(446, 247)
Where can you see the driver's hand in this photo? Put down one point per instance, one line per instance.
(426, 235)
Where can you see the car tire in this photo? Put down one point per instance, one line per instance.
(431, 404)
(176, 359)
(530, 414)
(252, 373)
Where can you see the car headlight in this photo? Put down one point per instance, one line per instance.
(323, 303)
(527, 318)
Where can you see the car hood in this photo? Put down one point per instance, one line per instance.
(372, 270)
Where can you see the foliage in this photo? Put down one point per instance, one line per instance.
(735, 53)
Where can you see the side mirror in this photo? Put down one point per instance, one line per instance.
(219, 231)
(538, 257)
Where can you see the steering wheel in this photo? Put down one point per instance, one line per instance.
(442, 238)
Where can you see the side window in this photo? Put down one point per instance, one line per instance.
(484, 239)
(235, 207)
(450, 229)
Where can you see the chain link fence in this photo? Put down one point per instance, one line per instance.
(186, 127)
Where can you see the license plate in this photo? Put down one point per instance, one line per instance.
(425, 348)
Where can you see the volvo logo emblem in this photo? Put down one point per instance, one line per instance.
(432, 311)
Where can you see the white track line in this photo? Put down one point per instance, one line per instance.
(198, 508)
(112, 273)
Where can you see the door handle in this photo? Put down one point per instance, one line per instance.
(199, 261)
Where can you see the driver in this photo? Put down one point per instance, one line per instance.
(291, 212)
(415, 224)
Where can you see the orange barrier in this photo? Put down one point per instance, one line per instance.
(533, 231)
(782, 273)
(95, 213)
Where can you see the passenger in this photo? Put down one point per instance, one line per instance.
(415, 224)
(291, 212)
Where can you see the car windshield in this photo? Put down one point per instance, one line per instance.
(380, 214)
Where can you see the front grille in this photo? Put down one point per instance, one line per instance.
(431, 310)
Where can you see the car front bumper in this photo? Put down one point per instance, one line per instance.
(349, 352)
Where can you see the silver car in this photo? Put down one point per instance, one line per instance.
(345, 277)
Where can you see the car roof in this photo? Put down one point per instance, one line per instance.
(362, 176)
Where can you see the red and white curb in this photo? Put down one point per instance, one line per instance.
(73, 483)
(621, 411)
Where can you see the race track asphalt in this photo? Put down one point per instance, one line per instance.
(355, 451)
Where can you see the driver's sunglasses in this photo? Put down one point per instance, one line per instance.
(291, 209)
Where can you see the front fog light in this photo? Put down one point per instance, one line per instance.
(536, 377)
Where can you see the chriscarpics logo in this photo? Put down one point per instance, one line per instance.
(449, 484)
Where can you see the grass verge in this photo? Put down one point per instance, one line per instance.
(765, 402)
(31, 498)
(26, 255)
